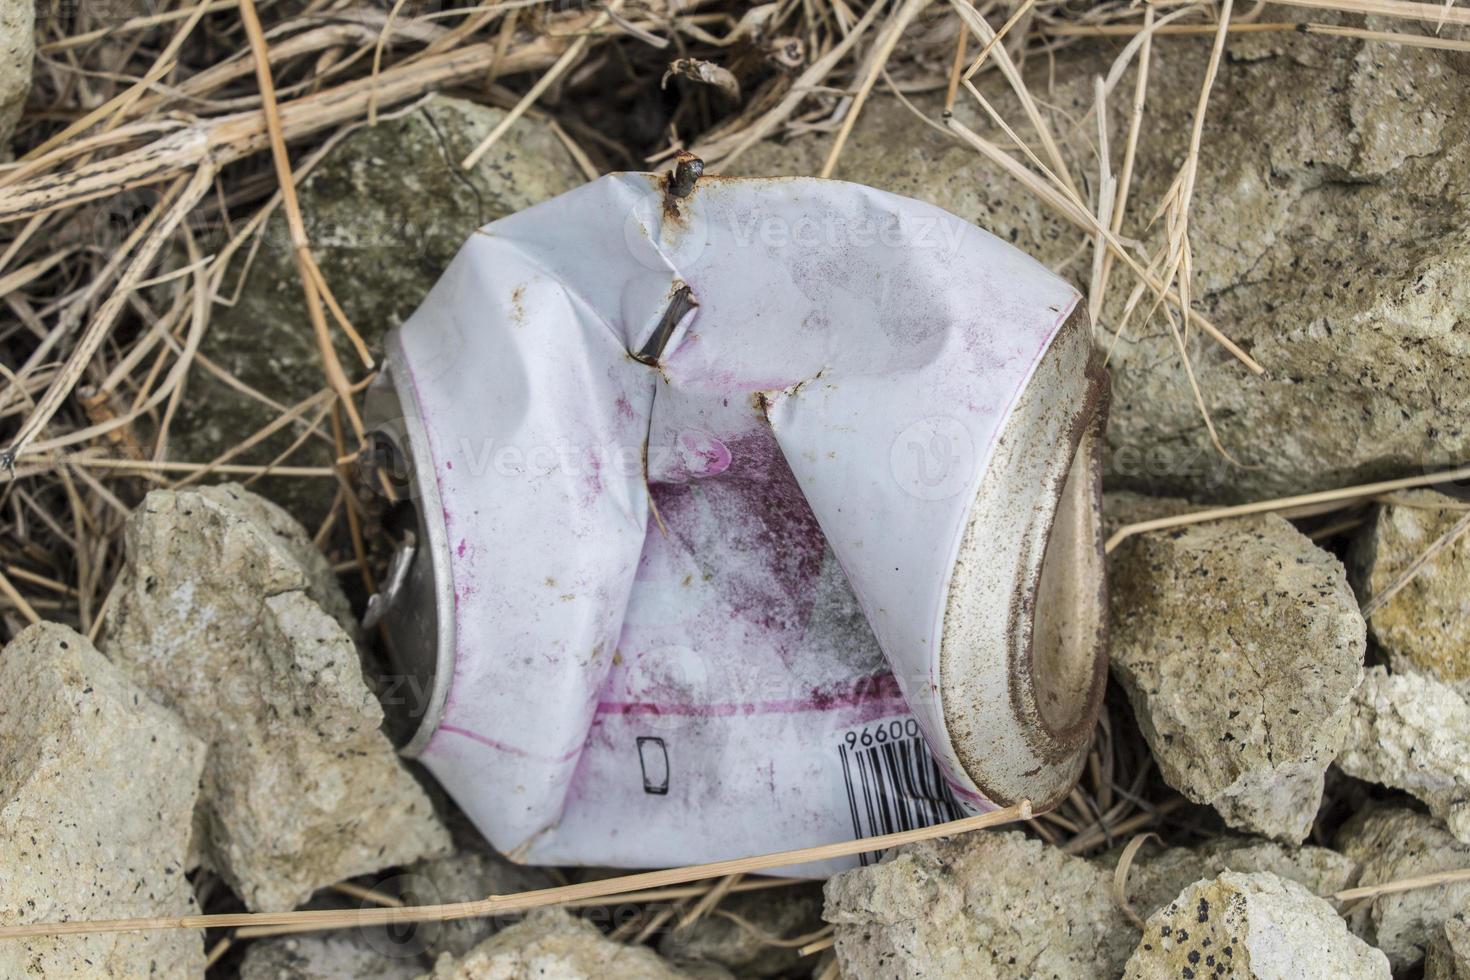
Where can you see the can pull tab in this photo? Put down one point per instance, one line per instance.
(381, 601)
(679, 304)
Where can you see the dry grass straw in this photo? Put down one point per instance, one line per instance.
(608, 888)
(650, 896)
(1402, 885)
(1300, 505)
(1326, 30)
(93, 373)
(1348, 899)
(709, 900)
(1412, 570)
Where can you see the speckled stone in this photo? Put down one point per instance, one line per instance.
(1449, 950)
(17, 52)
(1159, 874)
(1330, 233)
(1251, 926)
(227, 613)
(1413, 733)
(385, 211)
(549, 944)
(96, 787)
(1425, 627)
(1394, 842)
(338, 956)
(985, 905)
(1240, 645)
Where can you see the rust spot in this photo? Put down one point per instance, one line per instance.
(796, 388)
(761, 402)
(517, 306)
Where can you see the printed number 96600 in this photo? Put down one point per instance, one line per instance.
(881, 733)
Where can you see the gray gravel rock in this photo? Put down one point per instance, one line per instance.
(1001, 905)
(1449, 951)
(1425, 627)
(1159, 874)
(1248, 926)
(984, 905)
(465, 876)
(97, 784)
(342, 956)
(1240, 645)
(784, 913)
(226, 613)
(1413, 733)
(1314, 246)
(17, 52)
(548, 944)
(1391, 843)
(385, 212)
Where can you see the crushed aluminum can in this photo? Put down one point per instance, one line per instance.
(741, 515)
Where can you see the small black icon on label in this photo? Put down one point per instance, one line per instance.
(653, 756)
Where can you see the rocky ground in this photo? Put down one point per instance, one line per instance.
(215, 744)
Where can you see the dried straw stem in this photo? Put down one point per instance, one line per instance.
(1337, 498)
(1432, 13)
(1416, 566)
(1402, 885)
(226, 139)
(496, 904)
(311, 281)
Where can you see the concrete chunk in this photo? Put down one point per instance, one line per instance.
(1425, 626)
(550, 943)
(1449, 950)
(1413, 733)
(1158, 874)
(988, 905)
(329, 956)
(1251, 926)
(97, 784)
(1391, 843)
(226, 613)
(1240, 645)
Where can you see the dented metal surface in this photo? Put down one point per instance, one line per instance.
(731, 496)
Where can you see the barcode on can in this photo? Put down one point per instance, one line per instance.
(893, 783)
